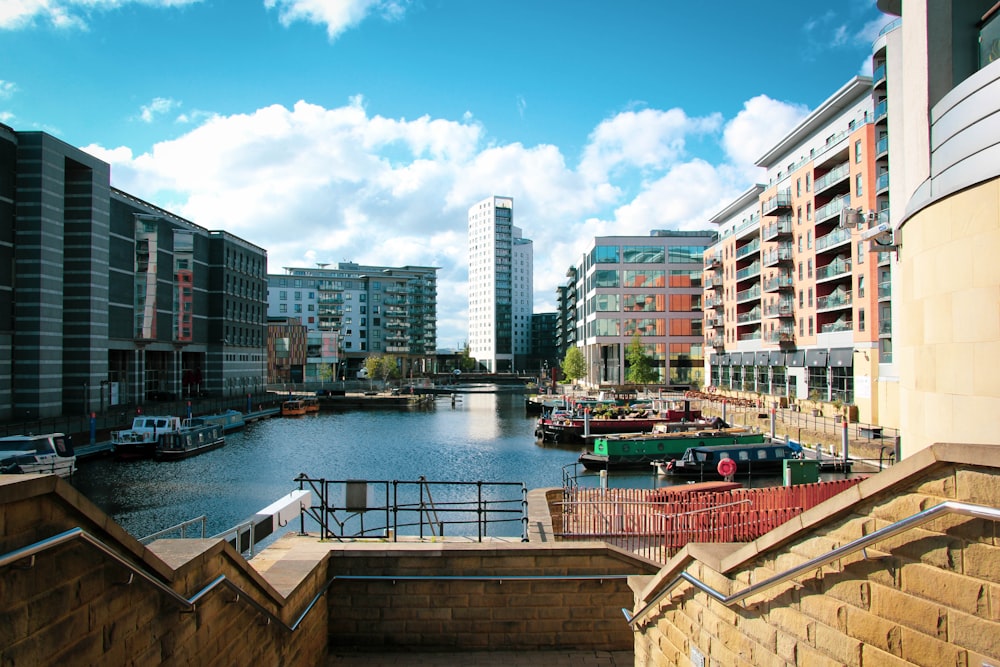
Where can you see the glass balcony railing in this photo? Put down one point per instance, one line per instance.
(832, 270)
(835, 175)
(833, 208)
(834, 327)
(882, 182)
(882, 146)
(881, 110)
(835, 238)
(835, 300)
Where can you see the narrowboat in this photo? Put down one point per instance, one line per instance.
(311, 404)
(188, 440)
(638, 451)
(595, 418)
(51, 453)
(230, 420)
(721, 461)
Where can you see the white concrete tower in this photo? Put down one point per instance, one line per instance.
(500, 286)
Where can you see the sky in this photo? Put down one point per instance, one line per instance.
(363, 130)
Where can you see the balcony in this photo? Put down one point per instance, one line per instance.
(882, 146)
(716, 342)
(783, 253)
(777, 229)
(714, 322)
(752, 335)
(885, 328)
(878, 75)
(779, 202)
(881, 110)
(748, 295)
(782, 308)
(779, 282)
(751, 271)
(837, 237)
(885, 291)
(882, 182)
(712, 302)
(833, 270)
(781, 336)
(748, 249)
(712, 282)
(836, 300)
(839, 174)
(712, 263)
(749, 317)
(832, 209)
(835, 327)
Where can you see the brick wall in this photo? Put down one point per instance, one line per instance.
(928, 596)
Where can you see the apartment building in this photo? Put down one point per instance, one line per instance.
(500, 287)
(645, 285)
(353, 311)
(111, 300)
(792, 284)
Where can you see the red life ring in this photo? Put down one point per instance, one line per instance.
(726, 467)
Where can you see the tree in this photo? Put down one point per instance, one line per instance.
(574, 366)
(640, 365)
(381, 367)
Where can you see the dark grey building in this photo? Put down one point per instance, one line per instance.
(110, 300)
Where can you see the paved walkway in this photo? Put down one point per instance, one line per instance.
(553, 658)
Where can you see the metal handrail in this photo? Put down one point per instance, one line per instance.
(918, 519)
(190, 604)
(182, 526)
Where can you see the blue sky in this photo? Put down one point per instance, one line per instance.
(363, 130)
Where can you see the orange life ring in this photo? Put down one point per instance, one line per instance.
(726, 467)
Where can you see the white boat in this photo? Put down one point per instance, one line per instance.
(141, 440)
(51, 453)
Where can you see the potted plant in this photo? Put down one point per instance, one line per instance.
(814, 397)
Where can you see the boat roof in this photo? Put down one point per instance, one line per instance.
(32, 436)
(741, 445)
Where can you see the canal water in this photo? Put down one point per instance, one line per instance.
(481, 437)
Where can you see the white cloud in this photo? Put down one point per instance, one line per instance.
(757, 128)
(337, 15)
(7, 89)
(649, 138)
(67, 14)
(158, 107)
(312, 184)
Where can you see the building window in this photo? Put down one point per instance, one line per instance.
(282, 307)
(283, 295)
(809, 268)
(808, 180)
(809, 239)
(861, 252)
(809, 211)
(857, 151)
(861, 319)
(810, 325)
(858, 181)
(798, 187)
(861, 286)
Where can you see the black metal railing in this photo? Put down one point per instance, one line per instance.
(359, 509)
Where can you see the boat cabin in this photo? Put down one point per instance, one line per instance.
(51, 453)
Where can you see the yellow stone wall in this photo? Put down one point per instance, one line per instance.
(947, 320)
(928, 596)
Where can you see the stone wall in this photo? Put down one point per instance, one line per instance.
(928, 596)
(74, 605)
(470, 609)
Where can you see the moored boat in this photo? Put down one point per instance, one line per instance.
(230, 420)
(188, 440)
(638, 451)
(293, 408)
(311, 404)
(141, 440)
(587, 419)
(50, 453)
(740, 460)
